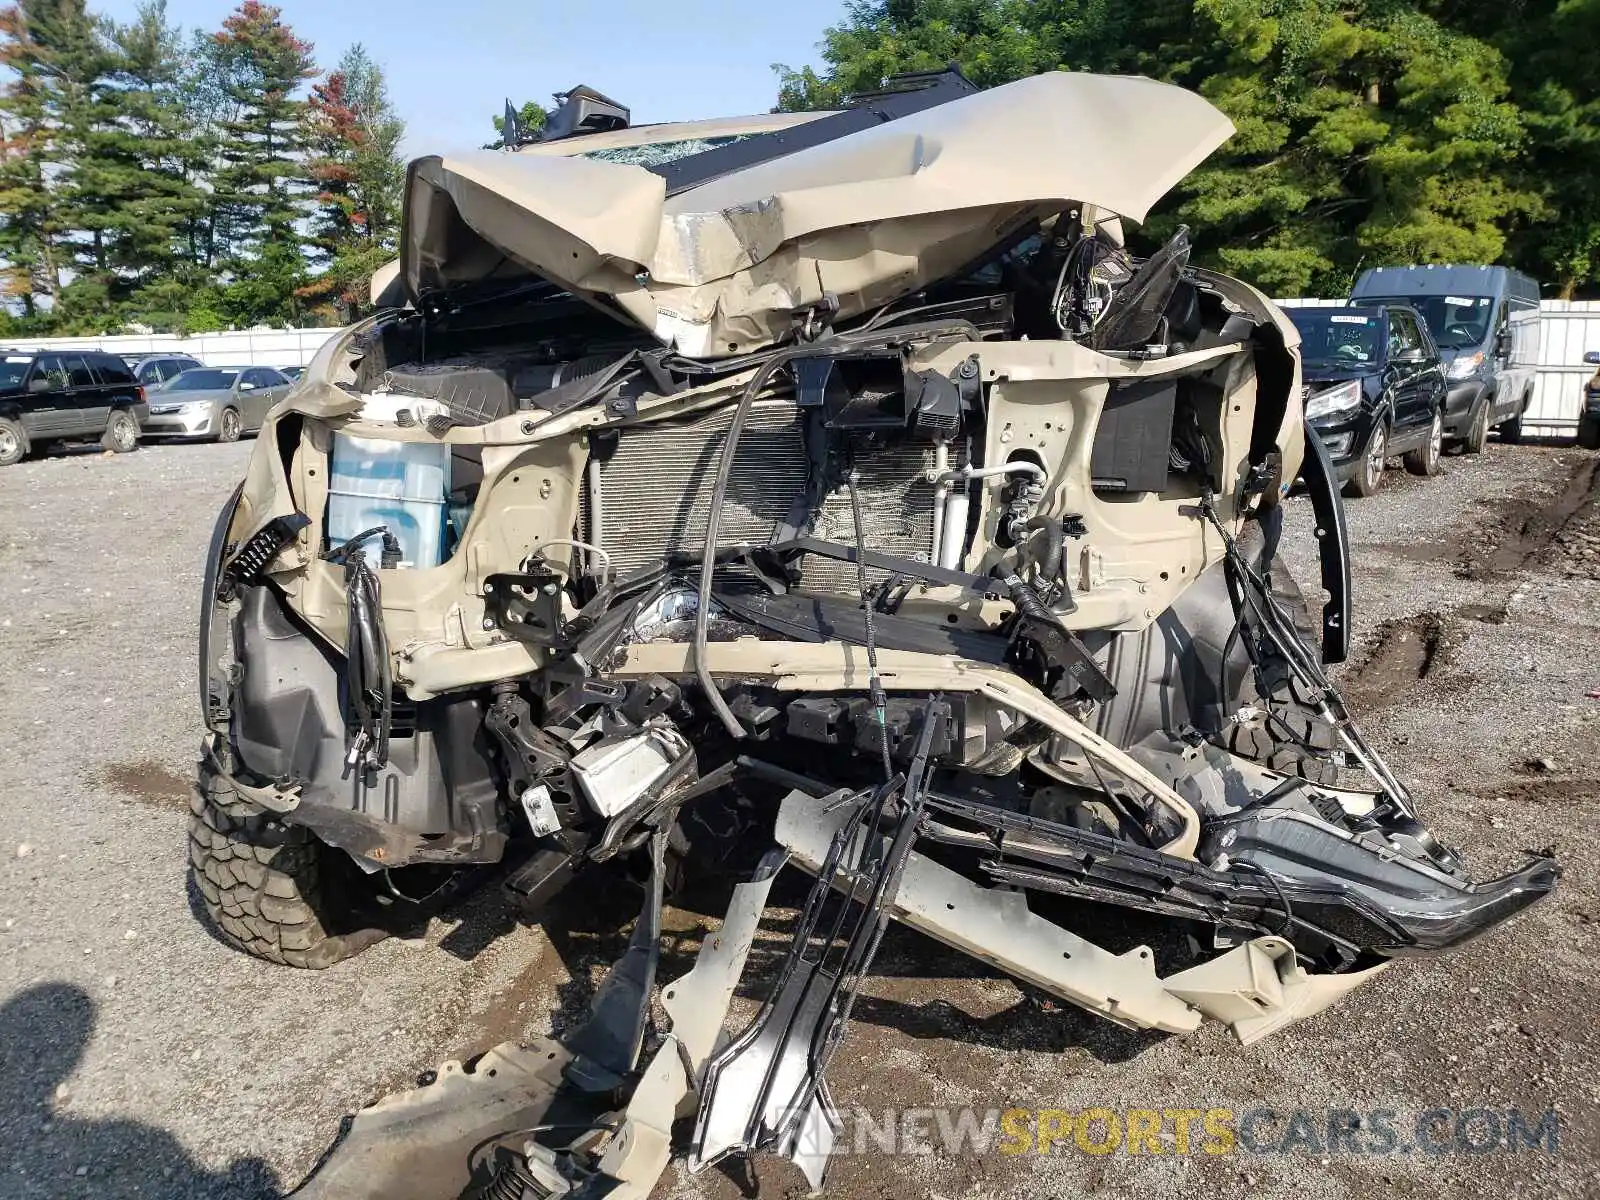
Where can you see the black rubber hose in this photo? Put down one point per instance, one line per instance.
(1028, 601)
(719, 495)
(1055, 543)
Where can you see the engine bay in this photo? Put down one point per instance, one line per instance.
(958, 589)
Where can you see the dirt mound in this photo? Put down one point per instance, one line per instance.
(1407, 651)
(1521, 530)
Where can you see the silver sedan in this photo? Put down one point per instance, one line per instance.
(218, 403)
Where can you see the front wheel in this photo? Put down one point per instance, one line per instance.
(1478, 431)
(1369, 478)
(271, 889)
(1424, 460)
(13, 442)
(122, 433)
(1511, 431)
(229, 427)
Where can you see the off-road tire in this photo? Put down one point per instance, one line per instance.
(1292, 750)
(1589, 433)
(1271, 745)
(122, 432)
(1477, 428)
(268, 887)
(13, 442)
(229, 425)
(1424, 460)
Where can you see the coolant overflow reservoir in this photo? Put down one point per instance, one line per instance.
(399, 485)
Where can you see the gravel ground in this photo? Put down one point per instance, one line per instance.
(143, 1058)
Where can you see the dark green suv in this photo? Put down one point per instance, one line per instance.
(51, 396)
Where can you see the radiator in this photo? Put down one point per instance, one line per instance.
(655, 492)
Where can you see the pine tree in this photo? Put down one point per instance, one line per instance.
(151, 163)
(61, 61)
(29, 224)
(261, 185)
(353, 136)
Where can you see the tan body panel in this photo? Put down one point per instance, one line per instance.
(717, 269)
(1139, 555)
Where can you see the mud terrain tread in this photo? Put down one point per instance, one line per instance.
(1257, 744)
(1290, 702)
(262, 882)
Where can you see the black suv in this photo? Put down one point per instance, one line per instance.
(49, 396)
(1374, 388)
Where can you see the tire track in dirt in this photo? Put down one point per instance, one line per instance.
(1411, 649)
(1530, 527)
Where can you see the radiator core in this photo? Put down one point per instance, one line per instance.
(656, 486)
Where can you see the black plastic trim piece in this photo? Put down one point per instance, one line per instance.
(1333, 546)
(216, 551)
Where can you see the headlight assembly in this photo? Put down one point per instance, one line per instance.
(1339, 399)
(1466, 366)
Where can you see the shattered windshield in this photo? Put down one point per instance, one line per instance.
(658, 153)
(1332, 339)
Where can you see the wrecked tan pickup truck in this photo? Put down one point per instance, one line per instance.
(833, 481)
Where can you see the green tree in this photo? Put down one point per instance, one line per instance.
(157, 168)
(61, 64)
(261, 184)
(1369, 131)
(79, 62)
(353, 136)
(29, 222)
(1556, 86)
(531, 116)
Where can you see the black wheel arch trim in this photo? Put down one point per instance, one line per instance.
(1333, 546)
(215, 553)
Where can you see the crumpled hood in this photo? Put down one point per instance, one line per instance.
(871, 216)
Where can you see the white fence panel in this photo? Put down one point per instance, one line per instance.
(253, 347)
(1567, 333)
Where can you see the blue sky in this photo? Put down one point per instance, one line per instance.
(451, 64)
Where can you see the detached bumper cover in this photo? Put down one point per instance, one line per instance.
(1335, 886)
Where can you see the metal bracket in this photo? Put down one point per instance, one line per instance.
(526, 606)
